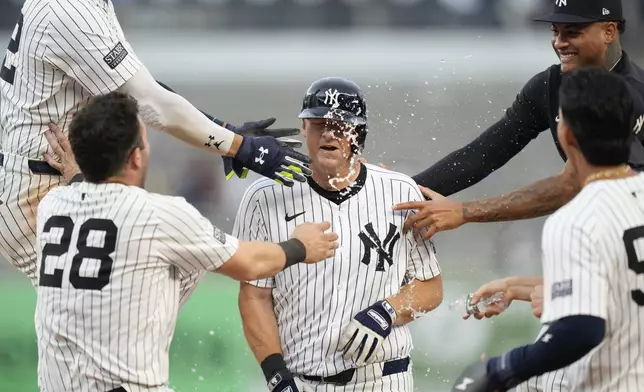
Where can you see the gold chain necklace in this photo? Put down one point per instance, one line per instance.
(609, 173)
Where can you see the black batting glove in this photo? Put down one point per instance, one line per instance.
(273, 159)
(254, 129)
(473, 379)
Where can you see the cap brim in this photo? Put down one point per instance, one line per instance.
(334, 114)
(565, 18)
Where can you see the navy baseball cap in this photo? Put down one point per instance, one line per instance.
(584, 11)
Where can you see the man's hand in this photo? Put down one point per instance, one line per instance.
(536, 301)
(257, 129)
(61, 147)
(437, 214)
(366, 332)
(473, 379)
(488, 290)
(284, 381)
(319, 245)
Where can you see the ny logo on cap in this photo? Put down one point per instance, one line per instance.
(561, 3)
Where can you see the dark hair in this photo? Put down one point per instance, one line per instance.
(103, 135)
(598, 107)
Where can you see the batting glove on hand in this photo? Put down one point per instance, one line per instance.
(473, 379)
(255, 129)
(366, 332)
(283, 381)
(493, 375)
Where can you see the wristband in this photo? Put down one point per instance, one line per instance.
(78, 177)
(294, 250)
(273, 364)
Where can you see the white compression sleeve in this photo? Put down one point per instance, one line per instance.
(173, 114)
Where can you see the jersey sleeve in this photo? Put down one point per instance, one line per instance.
(86, 42)
(422, 263)
(251, 226)
(187, 239)
(575, 276)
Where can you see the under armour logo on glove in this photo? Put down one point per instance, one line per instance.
(276, 160)
(260, 158)
(463, 385)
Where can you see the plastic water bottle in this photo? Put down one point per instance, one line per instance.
(479, 307)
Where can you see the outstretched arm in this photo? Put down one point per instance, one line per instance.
(171, 113)
(537, 199)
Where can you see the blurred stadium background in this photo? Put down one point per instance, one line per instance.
(436, 73)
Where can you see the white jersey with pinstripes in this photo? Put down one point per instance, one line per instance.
(314, 302)
(593, 264)
(60, 53)
(116, 263)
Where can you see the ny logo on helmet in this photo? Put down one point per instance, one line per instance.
(260, 159)
(561, 3)
(331, 98)
(384, 250)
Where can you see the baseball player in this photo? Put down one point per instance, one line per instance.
(342, 324)
(591, 254)
(116, 263)
(584, 33)
(61, 53)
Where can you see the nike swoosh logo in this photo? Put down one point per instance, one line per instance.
(290, 218)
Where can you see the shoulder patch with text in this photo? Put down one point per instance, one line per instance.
(115, 56)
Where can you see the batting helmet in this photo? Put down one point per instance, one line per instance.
(338, 99)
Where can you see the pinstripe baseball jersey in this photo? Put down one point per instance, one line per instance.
(115, 264)
(61, 52)
(314, 302)
(593, 264)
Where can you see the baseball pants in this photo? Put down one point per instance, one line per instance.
(368, 378)
(23, 183)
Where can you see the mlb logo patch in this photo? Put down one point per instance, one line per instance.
(562, 289)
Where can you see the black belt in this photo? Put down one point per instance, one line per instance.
(37, 167)
(343, 378)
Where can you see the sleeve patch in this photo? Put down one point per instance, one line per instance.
(562, 289)
(115, 56)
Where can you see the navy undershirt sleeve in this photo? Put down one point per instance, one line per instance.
(521, 123)
(566, 341)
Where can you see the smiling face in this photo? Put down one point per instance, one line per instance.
(329, 145)
(581, 45)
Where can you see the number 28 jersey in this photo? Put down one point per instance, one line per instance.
(115, 264)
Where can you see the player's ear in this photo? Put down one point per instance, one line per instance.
(610, 32)
(136, 159)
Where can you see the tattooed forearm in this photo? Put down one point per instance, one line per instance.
(540, 198)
